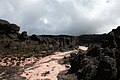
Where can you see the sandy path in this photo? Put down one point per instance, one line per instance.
(83, 48)
(47, 68)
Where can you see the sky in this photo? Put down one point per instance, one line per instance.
(71, 17)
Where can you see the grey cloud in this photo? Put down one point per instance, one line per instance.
(72, 17)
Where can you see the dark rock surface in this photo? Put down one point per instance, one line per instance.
(24, 36)
(101, 61)
(90, 39)
(4, 22)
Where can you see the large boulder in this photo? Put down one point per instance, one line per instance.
(4, 22)
(24, 36)
(106, 69)
(78, 59)
(6, 27)
(14, 28)
(94, 51)
(34, 37)
(88, 72)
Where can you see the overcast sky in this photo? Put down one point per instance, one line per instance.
(72, 17)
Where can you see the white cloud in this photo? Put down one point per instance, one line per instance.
(62, 16)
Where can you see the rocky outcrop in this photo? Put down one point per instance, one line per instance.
(10, 38)
(34, 37)
(4, 22)
(11, 41)
(90, 39)
(106, 69)
(23, 36)
(100, 62)
(8, 28)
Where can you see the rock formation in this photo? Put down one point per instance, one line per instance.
(11, 41)
(100, 62)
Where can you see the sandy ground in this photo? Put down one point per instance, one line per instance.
(83, 48)
(47, 68)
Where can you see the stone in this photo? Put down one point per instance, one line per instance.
(4, 22)
(24, 36)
